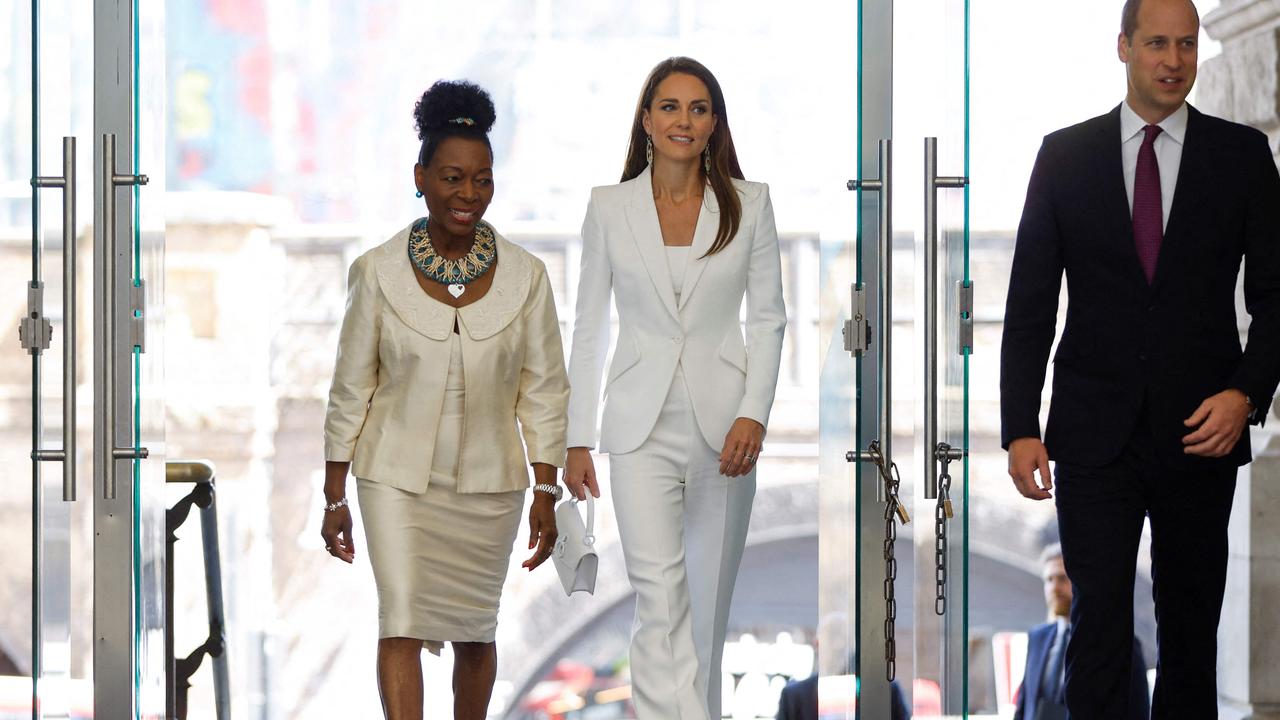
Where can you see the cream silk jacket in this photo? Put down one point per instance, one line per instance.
(393, 359)
(729, 376)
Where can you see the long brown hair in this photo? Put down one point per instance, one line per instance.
(724, 159)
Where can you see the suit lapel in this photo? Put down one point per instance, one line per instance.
(1192, 175)
(704, 234)
(642, 217)
(1114, 195)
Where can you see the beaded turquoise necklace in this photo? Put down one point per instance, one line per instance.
(455, 275)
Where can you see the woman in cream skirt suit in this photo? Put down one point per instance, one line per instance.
(450, 339)
(679, 244)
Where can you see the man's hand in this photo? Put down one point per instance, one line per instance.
(1026, 455)
(1221, 420)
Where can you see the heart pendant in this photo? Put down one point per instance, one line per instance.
(456, 289)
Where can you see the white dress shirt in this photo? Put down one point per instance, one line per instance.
(1168, 148)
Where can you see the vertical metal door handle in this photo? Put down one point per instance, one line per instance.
(884, 312)
(883, 186)
(67, 455)
(110, 452)
(932, 181)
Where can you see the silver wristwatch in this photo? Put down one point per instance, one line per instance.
(551, 489)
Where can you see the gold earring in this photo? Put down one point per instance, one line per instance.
(648, 149)
(706, 159)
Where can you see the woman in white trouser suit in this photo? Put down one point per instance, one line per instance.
(679, 243)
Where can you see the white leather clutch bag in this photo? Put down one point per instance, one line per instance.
(574, 554)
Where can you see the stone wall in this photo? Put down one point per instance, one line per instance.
(1243, 84)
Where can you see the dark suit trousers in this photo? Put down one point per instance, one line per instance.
(1100, 516)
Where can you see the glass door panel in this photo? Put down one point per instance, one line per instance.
(148, 398)
(938, 127)
(838, 429)
(67, 75)
(43, 111)
(910, 286)
(856, 422)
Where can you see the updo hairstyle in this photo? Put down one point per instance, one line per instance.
(452, 108)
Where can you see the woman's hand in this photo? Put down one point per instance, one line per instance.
(339, 538)
(741, 447)
(580, 473)
(542, 529)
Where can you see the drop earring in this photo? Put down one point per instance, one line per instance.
(706, 159)
(648, 149)
(418, 194)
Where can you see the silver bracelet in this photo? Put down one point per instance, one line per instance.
(551, 489)
(336, 505)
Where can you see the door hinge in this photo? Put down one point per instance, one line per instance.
(35, 331)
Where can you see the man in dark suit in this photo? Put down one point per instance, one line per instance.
(1149, 211)
(799, 701)
(1040, 695)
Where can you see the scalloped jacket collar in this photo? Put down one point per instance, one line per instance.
(481, 319)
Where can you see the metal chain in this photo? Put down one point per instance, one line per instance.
(893, 507)
(942, 512)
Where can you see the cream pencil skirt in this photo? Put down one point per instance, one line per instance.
(440, 558)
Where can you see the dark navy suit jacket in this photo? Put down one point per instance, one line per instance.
(1129, 346)
(1039, 644)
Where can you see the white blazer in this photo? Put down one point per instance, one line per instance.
(728, 378)
(393, 360)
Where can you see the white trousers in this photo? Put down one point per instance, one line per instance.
(683, 527)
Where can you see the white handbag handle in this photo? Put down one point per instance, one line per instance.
(590, 538)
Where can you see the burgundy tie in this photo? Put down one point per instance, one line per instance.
(1148, 212)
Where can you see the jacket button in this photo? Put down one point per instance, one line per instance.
(1142, 356)
(676, 340)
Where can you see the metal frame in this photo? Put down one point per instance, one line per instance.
(875, 106)
(113, 601)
